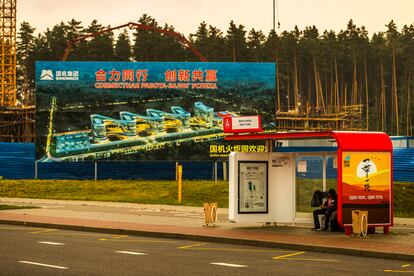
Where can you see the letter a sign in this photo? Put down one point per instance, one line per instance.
(227, 124)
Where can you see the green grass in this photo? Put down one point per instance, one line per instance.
(404, 199)
(165, 192)
(149, 192)
(11, 207)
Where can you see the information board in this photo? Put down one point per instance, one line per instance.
(253, 187)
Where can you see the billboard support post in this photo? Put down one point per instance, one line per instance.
(215, 171)
(36, 170)
(96, 171)
(176, 171)
(224, 171)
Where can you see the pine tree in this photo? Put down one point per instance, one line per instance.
(25, 61)
(123, 47)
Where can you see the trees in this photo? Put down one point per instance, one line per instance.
(25, 61)
(101, 47)
(316, 70)
(123, 47)
(235, 44)
(255, 44)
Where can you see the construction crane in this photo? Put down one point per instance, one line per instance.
(131, 25)
(8, 52)
(16, 120)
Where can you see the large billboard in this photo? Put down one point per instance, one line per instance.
(147, 110)
(366, 185)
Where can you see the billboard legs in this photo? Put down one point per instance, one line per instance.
(96, 170)
(36, 170)
(224, 171)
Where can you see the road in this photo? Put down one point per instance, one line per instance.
(41, 251)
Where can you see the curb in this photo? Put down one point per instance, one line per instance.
(236, 241)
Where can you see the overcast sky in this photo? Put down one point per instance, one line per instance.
(186, 15)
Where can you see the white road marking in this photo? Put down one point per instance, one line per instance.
(231, 265)
(51, 243)
(132, 253)
(47, 265)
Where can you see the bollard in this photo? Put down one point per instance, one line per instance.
(180, 182)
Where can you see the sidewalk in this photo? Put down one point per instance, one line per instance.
(187, 223)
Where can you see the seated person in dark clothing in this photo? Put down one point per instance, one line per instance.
(326, 209)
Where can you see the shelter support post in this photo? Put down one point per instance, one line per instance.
(324, 172)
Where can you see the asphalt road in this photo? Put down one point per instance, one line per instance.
(41, 251)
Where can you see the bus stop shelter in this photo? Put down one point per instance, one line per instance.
(262, 185)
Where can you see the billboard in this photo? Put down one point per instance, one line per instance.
(147, 110)
(366, 185)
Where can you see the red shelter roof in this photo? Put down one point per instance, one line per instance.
(346, 140)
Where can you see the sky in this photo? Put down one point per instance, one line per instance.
(186, 15)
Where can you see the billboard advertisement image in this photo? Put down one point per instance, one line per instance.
(366, 185)
(147, 111)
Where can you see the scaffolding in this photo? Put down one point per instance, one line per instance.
(348, 118)
(16, 120)
(8, 52)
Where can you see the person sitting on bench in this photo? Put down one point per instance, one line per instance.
(326, 209)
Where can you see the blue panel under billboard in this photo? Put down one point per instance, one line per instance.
(147, 110)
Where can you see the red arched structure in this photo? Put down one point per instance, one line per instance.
(131, 25)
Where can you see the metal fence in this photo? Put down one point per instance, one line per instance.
(17, 161)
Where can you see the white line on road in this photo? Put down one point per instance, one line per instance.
(51, 243)
(231, 265)
(132, 253)
(47, 265)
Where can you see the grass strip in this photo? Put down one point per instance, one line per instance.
(11, 207)
(195, 192)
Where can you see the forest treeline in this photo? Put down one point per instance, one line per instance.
(323, 71)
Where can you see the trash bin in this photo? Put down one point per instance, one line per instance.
(210, 212)
(359, 223)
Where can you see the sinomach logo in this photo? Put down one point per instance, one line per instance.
(46, 75)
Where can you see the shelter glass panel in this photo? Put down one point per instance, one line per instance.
(309, 177)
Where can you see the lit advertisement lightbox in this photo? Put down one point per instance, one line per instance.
(366, 185)
(147, 111)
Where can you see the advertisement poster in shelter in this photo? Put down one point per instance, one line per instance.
(147, 111)
(366, 185)
(253, 187)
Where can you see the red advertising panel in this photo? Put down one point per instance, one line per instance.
(366, 185)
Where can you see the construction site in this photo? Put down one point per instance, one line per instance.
(17, 107)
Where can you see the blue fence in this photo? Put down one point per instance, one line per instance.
(404, 164)
(17, 162)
